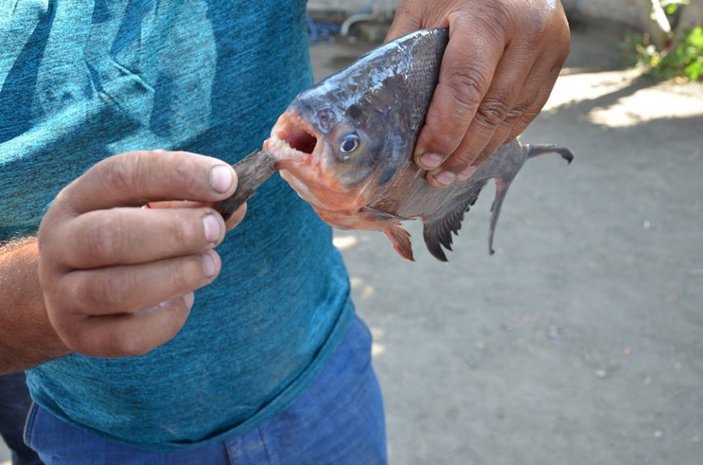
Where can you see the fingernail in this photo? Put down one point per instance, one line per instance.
(209, 265)
(466, 173)
(431, 160)
(445, 178)
(189, 299)
(221, 178)
(211, 225)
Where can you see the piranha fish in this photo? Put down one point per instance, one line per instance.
(346, 146)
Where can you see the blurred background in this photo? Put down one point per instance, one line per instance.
(581, 340)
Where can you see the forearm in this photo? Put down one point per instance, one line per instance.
(26, 335)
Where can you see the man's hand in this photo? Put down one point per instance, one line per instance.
(498, 70)
(118, 279)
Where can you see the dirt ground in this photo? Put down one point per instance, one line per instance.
(581, 340)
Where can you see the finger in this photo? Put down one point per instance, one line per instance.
(523, 110)
(498, 105)
(129, 334)
(509, 130)
(231, 223)
(546, 84)
(470, 59)
(135, 178)
(542, 78)
(124, 236)
(177, 204)
(127, 289)
(405, 21)
(236, 217)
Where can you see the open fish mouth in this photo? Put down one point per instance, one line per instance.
(292, 138)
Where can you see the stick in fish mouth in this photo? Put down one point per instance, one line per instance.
(251, 171)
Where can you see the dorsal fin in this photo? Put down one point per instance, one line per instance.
(438, 231)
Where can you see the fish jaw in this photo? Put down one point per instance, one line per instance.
(293, 141)
(300, 152)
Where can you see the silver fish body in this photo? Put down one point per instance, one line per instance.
(346, 146)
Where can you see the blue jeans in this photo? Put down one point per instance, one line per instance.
(337, 420)
(14, 405)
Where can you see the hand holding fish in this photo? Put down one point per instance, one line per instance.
(118, 279)
(497, 72)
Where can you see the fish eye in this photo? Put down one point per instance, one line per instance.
(349, 143)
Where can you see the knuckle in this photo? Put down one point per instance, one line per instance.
(436, 136)
(504, 13)
(467, 89)
(185, 231)
(492, 113)
(128, 344)
(497, 19)
(121, 173)
(532, 112)
(523, 122)
(459, 161)
(561, 59)
(185, 175)
(69, 292)
(515, 114)
(76, 341)
(104, 292)
(536, 23)
(186, 275)
(77, 336)
(105, 239)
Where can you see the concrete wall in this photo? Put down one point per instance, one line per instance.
(632, 12)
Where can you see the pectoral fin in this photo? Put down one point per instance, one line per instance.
(381, 215)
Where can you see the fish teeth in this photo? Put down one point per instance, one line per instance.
(282, 148)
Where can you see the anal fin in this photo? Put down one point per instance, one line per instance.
(400, 239)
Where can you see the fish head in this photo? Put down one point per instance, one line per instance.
(340, 143)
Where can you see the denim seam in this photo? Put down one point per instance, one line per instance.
(230, 457)
(263, 443)
(29, 424)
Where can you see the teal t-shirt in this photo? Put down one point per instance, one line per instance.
(81, 80)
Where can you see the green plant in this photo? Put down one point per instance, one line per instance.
(686, 59)
(672, 6)
(674, 47)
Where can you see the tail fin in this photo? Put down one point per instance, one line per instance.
(502, 184)
(539, 149)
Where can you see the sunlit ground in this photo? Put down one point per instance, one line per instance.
(579, 341)
(641, 101)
